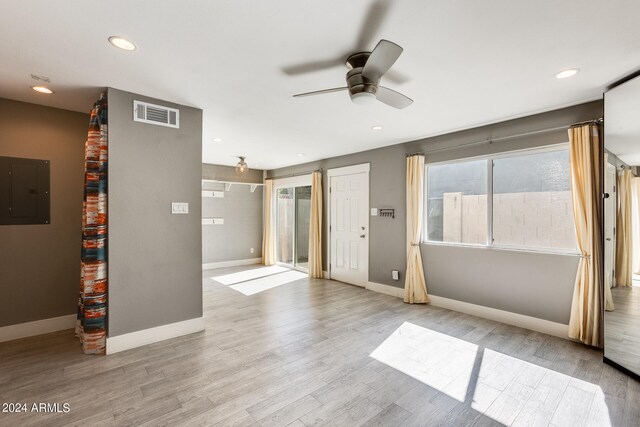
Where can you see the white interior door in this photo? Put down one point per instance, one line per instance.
(609, 224)
(349, 224)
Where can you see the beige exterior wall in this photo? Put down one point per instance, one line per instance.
(535, 219)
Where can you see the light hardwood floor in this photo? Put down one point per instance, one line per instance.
(318, 352)
(622, 328)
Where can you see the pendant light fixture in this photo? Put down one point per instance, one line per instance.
(241, 167)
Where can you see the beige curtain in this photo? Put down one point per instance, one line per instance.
(315, 227)
(635, 226)
(585, 323)
(415, 286)
(268, 226)
(623, 229)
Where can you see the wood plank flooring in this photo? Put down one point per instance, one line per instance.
(318, 352)
(622, 328)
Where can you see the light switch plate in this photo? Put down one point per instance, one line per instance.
(179, 208)
(374, 211)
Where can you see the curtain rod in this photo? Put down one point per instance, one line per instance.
(594, 121)
(295, 174)
(502, 138)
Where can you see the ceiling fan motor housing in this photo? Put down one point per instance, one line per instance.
(360, 87)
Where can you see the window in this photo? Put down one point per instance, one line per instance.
(532, 201)
(457, 202)
(516, 200)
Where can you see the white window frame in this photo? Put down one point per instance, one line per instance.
(489, 159)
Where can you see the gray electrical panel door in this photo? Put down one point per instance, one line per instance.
(24, 191)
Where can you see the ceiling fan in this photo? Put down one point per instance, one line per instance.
(363, 78)
(365, 68)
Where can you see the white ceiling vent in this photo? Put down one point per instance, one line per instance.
(156, 114)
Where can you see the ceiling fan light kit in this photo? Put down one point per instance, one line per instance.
(363, 78)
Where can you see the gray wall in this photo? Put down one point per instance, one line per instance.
(534, 284)
(242, 228)
(154, 257)
(228, 173)
(40, 264)
(537, 275)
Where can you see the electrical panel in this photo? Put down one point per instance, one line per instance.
(24, 191)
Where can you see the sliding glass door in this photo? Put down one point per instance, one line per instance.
(285, 225)
(293, 211)
(303, 216)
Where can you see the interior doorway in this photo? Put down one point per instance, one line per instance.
(293, 213)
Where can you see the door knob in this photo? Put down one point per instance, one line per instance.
(362, 236)
(608, 239)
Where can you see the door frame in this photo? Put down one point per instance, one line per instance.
(289, 182)
(614, 218)
(349, 170)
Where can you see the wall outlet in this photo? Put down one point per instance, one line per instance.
(374, 211)
(395, 275)
(251, 250)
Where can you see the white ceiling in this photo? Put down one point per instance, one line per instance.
(468, 63)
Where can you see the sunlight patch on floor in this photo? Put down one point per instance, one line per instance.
(261, 284)
(509, 390)
(253, 273)
(430, 357)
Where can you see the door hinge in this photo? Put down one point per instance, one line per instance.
(329, 228)
(329, 189)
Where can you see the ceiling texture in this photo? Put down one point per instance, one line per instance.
(465, 63)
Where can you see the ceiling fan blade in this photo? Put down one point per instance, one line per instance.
(309, 67)
(371, 24)
(384, 55)
(320, 92)
(392, 98)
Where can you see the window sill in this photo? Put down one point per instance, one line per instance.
(504, 248)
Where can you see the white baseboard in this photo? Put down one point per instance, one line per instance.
(385, 289)
(325, 274)
(152, 335)
(510, 318)
(38, 327)
(234, 263)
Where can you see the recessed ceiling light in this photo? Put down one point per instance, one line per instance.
(121, 43)
(42, 89)
(300, 154)
(377, 127)
(567, 73)
(217, 139)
